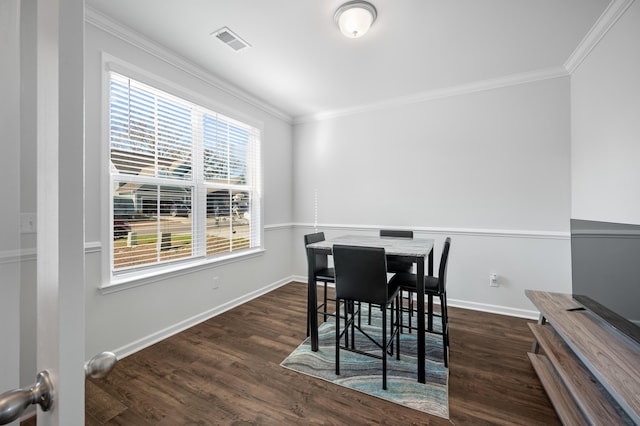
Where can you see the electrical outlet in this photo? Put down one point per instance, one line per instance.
(28, 223)
(493, 280)
(216, 283)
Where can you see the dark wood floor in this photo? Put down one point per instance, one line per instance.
(226, 371)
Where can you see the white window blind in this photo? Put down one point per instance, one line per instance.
(185, 180)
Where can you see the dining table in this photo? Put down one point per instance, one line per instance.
(416, 250)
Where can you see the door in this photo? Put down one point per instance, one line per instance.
(44, 41)
(10, 213)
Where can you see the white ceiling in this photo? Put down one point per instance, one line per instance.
(300, 63)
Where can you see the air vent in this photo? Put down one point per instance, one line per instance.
(231, 39)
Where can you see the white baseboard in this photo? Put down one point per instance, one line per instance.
(160, 335)
(474, 306)
(494, 309)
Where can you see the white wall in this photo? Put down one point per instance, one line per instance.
(492, 169)
(489, 168)
(605, 111)
(127, 320)
(605, 161)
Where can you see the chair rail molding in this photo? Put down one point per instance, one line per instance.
(506, 233)
(16, 256)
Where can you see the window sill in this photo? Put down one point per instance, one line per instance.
(140, 278)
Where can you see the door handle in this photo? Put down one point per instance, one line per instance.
(15, 402)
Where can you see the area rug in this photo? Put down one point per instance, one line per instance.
(364, 374)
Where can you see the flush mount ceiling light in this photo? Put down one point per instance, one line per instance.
(355, 18)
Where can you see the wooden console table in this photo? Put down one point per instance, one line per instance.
(589, 371)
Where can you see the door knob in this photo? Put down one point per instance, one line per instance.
(13, 403)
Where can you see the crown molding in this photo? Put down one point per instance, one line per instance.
(103, 22)
(494, 83)
(613, 12)
(605, 22)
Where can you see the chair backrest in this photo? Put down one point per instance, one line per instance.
(396, 233)
(321, 259)
(442, 272)
(361, 273)
(395, 266)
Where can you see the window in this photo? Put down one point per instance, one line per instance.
(185, 181)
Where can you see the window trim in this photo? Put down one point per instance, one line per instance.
(115, 281)
(164, 272)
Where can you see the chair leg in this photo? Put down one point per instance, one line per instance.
(398, 323)
(390, 347)
(410, 309)
(430, 315)
(411, 299)
(352, 306)
(446, 315)
(338, 333)
(401, 309)
(384, 348)
(308, 318)
(346, 323)
(324, 309)
(324, 306)
(445, 329)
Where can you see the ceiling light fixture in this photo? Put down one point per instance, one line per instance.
(355, 18)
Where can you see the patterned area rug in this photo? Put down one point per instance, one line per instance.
(364, 374)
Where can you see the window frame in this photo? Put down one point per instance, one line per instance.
(116, 280)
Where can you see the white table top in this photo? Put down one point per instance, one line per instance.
(414, 247)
